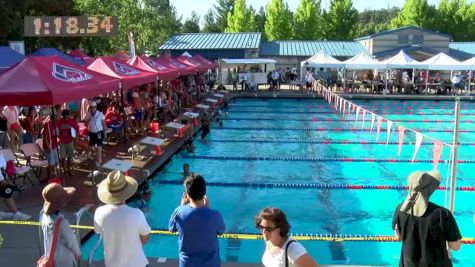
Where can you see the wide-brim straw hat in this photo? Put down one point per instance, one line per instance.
(116, 188)
(56, 197)
(421, 186)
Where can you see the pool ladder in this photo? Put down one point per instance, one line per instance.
(79, 215)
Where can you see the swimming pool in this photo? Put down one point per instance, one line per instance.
(275, 141)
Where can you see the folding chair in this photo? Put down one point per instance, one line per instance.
(39, 143)
(19, 170)
(34, 157)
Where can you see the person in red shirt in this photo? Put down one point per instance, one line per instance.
(113, 120)
(50, 144)
(68, 131)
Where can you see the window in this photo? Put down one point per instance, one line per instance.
(402, 39)
(418, 39)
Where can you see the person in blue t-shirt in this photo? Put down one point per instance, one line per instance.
(197, 226)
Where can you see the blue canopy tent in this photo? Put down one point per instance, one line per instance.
(9, 58)
(55, 52)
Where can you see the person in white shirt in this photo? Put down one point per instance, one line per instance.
(124, 230)
(96, 125)
(281, 250)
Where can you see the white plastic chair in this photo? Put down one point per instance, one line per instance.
(34, 157)
(19, 170)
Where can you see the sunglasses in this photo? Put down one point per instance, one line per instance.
(267, 228)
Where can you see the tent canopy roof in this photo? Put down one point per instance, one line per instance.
(48, 51)
(321, 59)
(402, 61)
(248, 61)
(363, 61)
(51, 80)
(442, 61)
(9, 57)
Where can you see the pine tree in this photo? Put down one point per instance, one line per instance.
(222, 8)
(341, 20)
(278, 25)
(261, 20)
(192, 24)
(209, 24)
(454, 17)
(308, 20)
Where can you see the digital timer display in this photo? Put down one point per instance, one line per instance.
(71, 26)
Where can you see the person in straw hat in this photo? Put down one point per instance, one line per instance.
(124, 229)
(67, 252)
(424, 227)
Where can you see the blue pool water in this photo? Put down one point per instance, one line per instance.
(310, 210)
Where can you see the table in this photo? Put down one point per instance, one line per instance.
(175, 125)
(211, 100)
(118, 165)
(191, 114)
(202, 106)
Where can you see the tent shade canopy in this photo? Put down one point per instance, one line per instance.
(442, 61)
(470, 63)
(248, 61)
(322, 60)
(171, 62)
(211, 64)
(193, 62)
(363, 61)
(130, 76)
(402, 61)
(146, 63)
(51, 80)
(9, 57)
(48, 51)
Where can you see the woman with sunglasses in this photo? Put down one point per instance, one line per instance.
(274, 226)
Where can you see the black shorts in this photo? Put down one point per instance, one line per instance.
(7, 191)
(96, 138)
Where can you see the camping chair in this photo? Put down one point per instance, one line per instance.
(34, 157)
(19, 170)
(39, 143)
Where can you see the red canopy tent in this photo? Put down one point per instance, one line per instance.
(211, 64)
(51, 80)
(149, 65)
(114, 67)
(200, 66)
(183, 68)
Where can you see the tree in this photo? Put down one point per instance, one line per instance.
(454, 17)
(372, 21)
(341, 20)
(261, 20)
(416, 13)
(278, 25)
(192, 24)
(223, 7)
(308, 20)
(242, 18)
(209, 24)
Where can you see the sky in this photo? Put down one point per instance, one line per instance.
(185, 7)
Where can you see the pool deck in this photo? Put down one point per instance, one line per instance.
(20, 242)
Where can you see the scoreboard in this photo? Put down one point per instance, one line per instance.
(71, 26)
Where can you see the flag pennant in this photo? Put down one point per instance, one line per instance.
(372, 123)
(438, 146)
(388, 130)
(364, 115)
(357, 114)
(418, 144)
(400, 131)
(379, 120)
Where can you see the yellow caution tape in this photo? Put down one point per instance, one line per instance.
(329, 238)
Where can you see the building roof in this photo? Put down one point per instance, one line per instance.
(457, 54)
(467, 47)
(310, 48)
(203, 41)
(402, 29)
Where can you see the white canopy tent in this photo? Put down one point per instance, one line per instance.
(320, 60)
(470, 63)
(363, 61)
(402, 61)
(442, 61)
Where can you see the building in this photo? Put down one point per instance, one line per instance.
(417, 42)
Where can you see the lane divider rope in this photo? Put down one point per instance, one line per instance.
(334, 112)
(315, 159)
(325, 142)
(313, 186)
(254, 236)
(326, 129)
(334, 120)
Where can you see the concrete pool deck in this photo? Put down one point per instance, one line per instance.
(20, 242)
